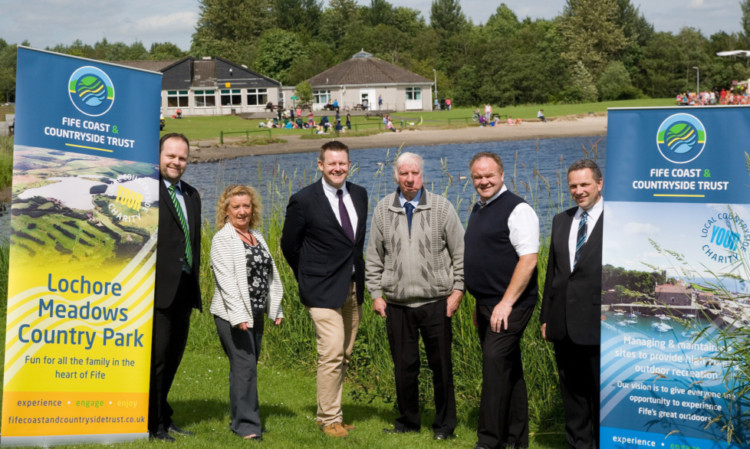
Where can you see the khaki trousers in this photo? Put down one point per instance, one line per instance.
(335, 331)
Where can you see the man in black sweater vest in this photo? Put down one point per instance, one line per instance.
(501, 246)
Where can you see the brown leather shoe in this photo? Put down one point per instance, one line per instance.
(335, 430)
(343, 424)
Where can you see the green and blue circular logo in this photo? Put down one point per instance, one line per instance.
(91, 91)
(681, 138)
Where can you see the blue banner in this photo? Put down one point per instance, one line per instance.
(675, 274)
(84, 219)
(78, 105)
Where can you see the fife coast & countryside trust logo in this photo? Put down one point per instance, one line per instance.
(91, 91)
(681, 138)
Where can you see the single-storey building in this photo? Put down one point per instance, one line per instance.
(367, 82)
(210, 86)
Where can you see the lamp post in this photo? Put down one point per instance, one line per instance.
(697, 80)
(436, 95)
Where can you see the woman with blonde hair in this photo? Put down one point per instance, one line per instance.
(247, 286)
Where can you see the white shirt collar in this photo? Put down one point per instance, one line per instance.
(331, 190)
(494, 197)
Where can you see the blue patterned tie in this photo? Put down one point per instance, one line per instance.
(581, 240)
(183, 223)
(409, 212)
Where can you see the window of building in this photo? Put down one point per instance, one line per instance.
(177, 98)
(231, 97)
(321, 96)
(413, 93)
(257, 97)
(205, 98)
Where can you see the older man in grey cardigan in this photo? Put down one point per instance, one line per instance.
(414, 271)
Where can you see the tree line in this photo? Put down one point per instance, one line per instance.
(595, 50)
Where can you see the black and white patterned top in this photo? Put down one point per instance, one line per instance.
(259, 270)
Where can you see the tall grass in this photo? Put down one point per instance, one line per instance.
(6, 161)
(371, 369)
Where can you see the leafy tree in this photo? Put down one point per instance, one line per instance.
(337, 19)
(164, 50)
(300, 16)
(592, 34)
(230, 28)
(318, 57)
(468, 82)
(446, 16)
(379, 12)
(277, 51)
(745, 22)
(8, 71)
(503, 22)
(614, 83)
(582, 85)
(662, 73)
(304, 92)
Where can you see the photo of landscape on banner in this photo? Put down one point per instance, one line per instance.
(676, 267)
(84, 218)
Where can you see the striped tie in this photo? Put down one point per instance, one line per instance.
(581, 240)
(183, 223)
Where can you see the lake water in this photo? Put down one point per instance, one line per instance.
(534, 169)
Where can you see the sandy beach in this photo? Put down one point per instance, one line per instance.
(592, 125)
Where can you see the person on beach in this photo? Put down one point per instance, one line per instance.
(540, 116)
(571, 303)
(323, 240)
(177, 291)
(414, 272)
(503, 229)
(247, 286)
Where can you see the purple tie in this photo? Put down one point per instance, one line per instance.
(346, 223)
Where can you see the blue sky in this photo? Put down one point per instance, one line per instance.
(49, 22)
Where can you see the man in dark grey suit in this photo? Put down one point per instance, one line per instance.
(571, 304)
(323, 240)
(177, 290)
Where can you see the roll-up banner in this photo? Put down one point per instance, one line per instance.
(675, 278)
(84, 217)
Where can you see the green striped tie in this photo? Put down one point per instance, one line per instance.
(183, 223)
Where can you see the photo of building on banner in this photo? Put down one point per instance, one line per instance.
(676, 273)
(84, 217)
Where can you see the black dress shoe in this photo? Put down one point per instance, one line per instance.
(161, 435)
(174, 429)
(441, 436)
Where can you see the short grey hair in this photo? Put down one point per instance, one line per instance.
(406, 156)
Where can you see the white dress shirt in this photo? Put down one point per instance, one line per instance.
(524, 226)
(330, 192)
(594, 213)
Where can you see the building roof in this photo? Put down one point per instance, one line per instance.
(362, 69)
(670, 288)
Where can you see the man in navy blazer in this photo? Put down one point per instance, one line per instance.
(177, 288)
(571, 303)
(323, 240)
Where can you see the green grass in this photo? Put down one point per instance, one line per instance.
(209, 127)
(6, 161)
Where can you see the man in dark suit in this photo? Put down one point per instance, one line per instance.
(177, 290)
(571, 304)
(323, 239)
